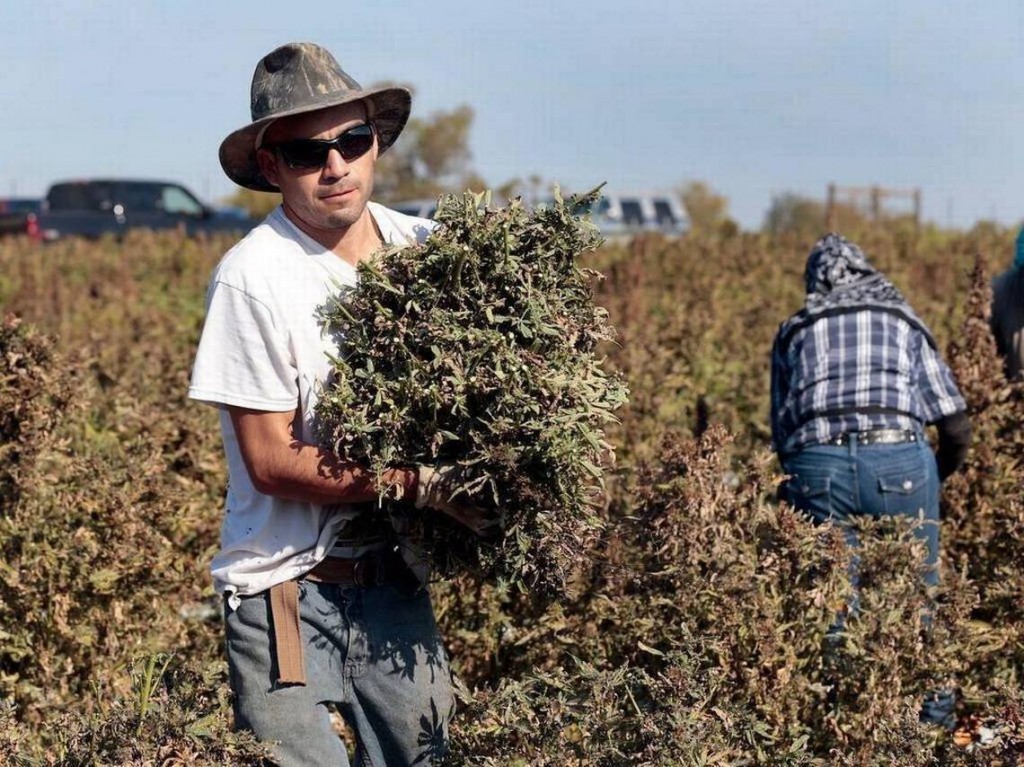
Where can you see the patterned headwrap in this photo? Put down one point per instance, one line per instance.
(838, 274)
(839, 279)
(1018, 260)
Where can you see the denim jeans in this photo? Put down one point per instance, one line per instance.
(375, 653)
(833, 483)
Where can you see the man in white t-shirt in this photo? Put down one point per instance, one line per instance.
(320, 605)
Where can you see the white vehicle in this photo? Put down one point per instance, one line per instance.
(614, 215)
(629, 214)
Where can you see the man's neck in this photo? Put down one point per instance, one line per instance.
(352, 244)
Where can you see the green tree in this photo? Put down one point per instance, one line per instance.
(431, 157)
(707, 210)
(791, 213)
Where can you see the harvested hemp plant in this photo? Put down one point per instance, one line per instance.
(479, 347)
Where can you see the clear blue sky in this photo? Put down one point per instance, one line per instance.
(754, 97)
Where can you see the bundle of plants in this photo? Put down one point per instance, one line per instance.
(480, 348)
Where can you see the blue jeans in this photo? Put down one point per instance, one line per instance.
(375, 653)
(837, 484)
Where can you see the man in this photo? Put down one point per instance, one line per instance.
(856, 376)
(321, 607)
(1008, 313)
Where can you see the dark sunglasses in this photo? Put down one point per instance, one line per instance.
(308, 153)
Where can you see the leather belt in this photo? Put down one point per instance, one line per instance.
(874, 437)
(371, 569)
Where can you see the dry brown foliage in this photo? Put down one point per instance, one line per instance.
(697, 634)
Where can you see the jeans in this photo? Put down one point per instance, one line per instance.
(375, 653)
(832, 483)
(837, 484)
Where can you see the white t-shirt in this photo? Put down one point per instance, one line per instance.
(262, 347)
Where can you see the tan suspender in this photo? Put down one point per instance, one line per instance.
(284, 613)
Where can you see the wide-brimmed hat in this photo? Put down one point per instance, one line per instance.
(298, 78)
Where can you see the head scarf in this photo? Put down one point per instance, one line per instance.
(838, 274)
(839, 279)
(1018, 260)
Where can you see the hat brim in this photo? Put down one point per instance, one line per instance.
(390, 112)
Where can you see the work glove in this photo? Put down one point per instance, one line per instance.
(442, 487)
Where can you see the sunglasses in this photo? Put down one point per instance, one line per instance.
(306, 153)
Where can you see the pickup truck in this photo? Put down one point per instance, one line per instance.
(97, 207)
(14, 212)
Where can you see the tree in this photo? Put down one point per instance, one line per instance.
(790, 213)
(707, 210)
(431, 157)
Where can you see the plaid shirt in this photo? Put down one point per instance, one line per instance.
(856, 371)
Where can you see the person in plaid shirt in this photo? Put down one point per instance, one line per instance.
(856, 376)
(857, 368)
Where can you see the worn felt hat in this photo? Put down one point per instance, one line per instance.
(298, 78)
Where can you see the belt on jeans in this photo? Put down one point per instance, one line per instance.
(371, 569)
(874, 437)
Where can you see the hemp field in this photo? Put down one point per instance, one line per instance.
(692, 634)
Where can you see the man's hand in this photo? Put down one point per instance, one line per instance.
(436, 489)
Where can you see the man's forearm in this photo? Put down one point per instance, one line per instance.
(304, 472)
(284, 467)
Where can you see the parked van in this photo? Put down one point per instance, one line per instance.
(614, 215)
(629, 214)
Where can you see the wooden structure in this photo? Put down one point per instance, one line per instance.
(869, 199)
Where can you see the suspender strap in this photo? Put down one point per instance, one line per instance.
(284, 614)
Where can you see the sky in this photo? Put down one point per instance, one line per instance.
(756, 98)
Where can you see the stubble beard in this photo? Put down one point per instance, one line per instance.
(343, 218)
(329, 218)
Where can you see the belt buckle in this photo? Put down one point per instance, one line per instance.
(889, 437)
